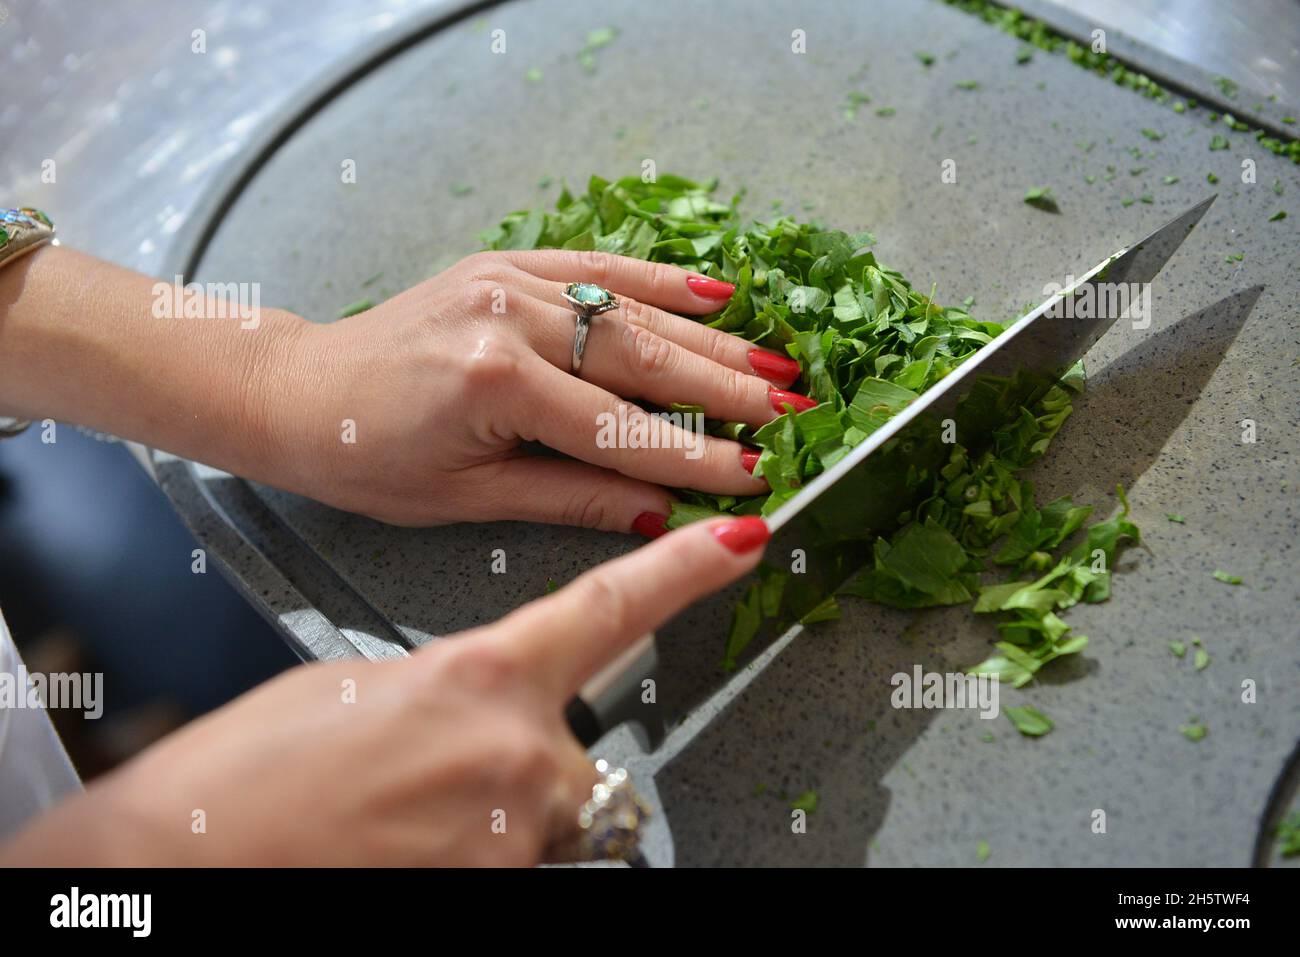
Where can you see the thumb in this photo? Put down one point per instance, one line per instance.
(533, 488)
(567, 637)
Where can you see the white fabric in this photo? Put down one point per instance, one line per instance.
(34, 769)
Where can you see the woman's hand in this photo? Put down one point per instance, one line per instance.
(398, 763)
(414, 411)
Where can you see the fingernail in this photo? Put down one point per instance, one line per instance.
(780, 399)
(650, 524)
(773, 368)
(709, 288)
(749, 458)
(742, 535)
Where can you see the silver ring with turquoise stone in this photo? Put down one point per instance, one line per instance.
(587, 300)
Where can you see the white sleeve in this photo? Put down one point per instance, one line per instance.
(34, 769)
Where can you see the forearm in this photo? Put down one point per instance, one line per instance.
(80, 341)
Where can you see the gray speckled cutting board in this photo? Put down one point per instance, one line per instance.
(721, 93)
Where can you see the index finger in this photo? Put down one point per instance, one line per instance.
(565, 638)
(658, 284)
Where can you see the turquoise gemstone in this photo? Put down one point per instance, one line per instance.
(589, 293)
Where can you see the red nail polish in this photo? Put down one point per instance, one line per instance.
(650, 524)
(742, 535)
(709, 288)
(749, 458)
(781, 398)
(773, 368)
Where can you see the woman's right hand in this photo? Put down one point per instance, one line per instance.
(442, 384)
(406, 762)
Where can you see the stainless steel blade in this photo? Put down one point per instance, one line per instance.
(1044, 342)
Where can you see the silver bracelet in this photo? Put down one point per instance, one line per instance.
(22, 230)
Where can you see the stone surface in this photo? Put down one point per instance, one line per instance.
(1163, 414)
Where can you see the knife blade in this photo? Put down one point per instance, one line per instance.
(825, 531)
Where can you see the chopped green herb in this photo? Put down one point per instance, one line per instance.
(1280, 214)
(1201, 659)
(1041, 198)
(982, 851)
(533, 74)
(1228, 87)
(886, 111)
(1194, 731)
(461, 189)
(1147, 198)
(1288, 835)
(806, 802)
(1211, 178)
(1175, 517)
(367, 283)
(1218, 142)
(1024, 54)
(1129, 201)
(1178, 648)
(967, 85)
(1226, 578)
(357, 307)
(926, 58)
(1170, 180)
(968, 302)
(1029, 720)
(1090, 179)
(1153, 135)
(1277, 187)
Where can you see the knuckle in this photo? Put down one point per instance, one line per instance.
(655, 278)
(735, 389)
(481, 293)
(638, 314)
(717, 349)
(478, 664)
(596, 264)
(590, 506)
(651, 355)
(607, 602)
(492, 362)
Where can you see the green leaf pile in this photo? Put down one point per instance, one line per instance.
(868, 344)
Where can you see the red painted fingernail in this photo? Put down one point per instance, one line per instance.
(773, 368)
(650, 524)
(709, 288)
(749, 458)
(780, 399)
(742, 535)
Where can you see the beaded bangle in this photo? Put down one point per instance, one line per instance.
(21, 231)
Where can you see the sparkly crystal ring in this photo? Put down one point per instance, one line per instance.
(587, 300)
(609, 824)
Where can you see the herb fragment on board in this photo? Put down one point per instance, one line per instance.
(1226, 578)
